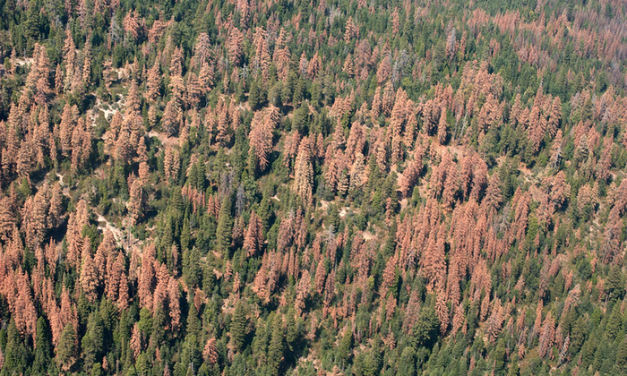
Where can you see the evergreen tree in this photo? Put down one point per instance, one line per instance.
(276, 346)
(225, 226)
(621, 356)
(426, 329)
(238, 327)
(43, 353)
(254, 97)
(615, 284)
(614, 323)
(92, 343)
(192, 271)
(66, 350)
(16, 355)
(407, 362)
(346, 344)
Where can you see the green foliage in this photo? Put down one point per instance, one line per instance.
(192, 271)
(238, 326)
(440, 241)
(407, 362)
(225, 226)
(426, 329)
(66, 350)
(276, 347)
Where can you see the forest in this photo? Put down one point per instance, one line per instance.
(325, 187)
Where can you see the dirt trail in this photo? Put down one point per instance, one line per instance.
(26, 61)
(103, 223)
(119, 235)
(109, 109)
(64, 188)
(165, 140)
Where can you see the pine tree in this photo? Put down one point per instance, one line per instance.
(276, 347)
(407, 362)
(123, 293)
(43, 345)
(34, 214)
(41, 73)
(254, 97)
(495, 321)
(458, 320)
(66, 129)
(621, 355)
(432, 262)
(89, 277)
(556, 149)
(15, 352)
(442, 127)
(547, 336)
(224, 129)
(349, 66)
(238, 327)
(303, 177)
(169, 122)
(426, 329)
(176, 62)
(146, 278)
(210, 352)
(261, 135)
(191, 266)
(136, 341)
(92, 343)
(194, 90)
(206, 77)
(350, 31)
(136, 201)
(614, 323)
(555, 116)
(55, 213)
(153, 83)
(384, 70)
(202, 50)
(320, 277)
(254, 239)
(493, 197)
(66, 350)
(69, 50)
(224, 228)
(235, 41)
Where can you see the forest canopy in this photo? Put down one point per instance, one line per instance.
(327, 187)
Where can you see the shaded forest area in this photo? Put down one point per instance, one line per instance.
(336, 187)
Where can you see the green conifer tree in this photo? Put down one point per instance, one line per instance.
(225, 226)
(276, 346)
(238, 326)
